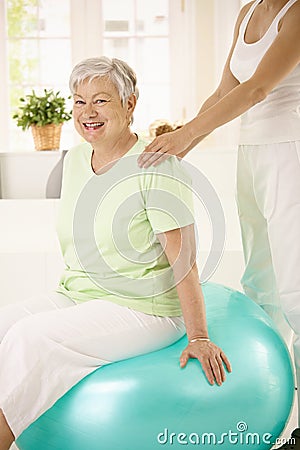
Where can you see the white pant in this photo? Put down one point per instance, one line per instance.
(268, 197)
(49, 344)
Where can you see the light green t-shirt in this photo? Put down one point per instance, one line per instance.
(107, 226)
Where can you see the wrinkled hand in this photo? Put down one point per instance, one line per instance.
(163, 146)
(211, 358)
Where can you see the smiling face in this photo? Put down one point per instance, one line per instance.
(98, 113)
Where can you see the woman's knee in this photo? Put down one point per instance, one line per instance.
(26, 329)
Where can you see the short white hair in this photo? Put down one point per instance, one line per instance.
(118, 72)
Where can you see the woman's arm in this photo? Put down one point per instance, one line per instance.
(179, 247)
(280, 59)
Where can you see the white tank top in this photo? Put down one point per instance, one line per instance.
(277, 118)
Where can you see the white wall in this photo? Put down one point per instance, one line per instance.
(219, 166)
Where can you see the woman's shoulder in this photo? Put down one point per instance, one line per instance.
(246, 7)
(241, 16)
(291, 16)
(243, 12)
(77, 151)
(83, 146)
(173, 169)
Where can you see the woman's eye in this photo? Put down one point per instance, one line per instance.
(100, 101)
(79, 102)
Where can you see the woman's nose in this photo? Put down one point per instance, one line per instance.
(89, 110)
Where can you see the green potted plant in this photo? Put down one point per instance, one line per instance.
(45, 115)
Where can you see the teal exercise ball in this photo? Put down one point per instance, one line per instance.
(149, 403)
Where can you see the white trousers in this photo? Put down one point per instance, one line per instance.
(49, 344)
(268, 198)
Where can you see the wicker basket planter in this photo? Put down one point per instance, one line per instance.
(46, 137)
(44, 114)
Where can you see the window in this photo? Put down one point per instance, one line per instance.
(138, 32)
(38, 42)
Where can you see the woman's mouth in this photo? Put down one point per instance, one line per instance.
(93, 125)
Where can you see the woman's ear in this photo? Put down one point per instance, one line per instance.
(130, 104)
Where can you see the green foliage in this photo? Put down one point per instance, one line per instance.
(22, 18)
(42, 110)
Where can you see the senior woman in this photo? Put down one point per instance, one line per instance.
(130, 283)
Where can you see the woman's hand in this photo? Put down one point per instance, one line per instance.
(163, 146)
(211, 358)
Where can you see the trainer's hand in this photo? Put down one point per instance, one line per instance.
(163, 146)
(211, 358)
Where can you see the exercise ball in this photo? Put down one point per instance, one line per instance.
(149, 402)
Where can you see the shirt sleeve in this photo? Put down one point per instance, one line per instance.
(168, 196)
